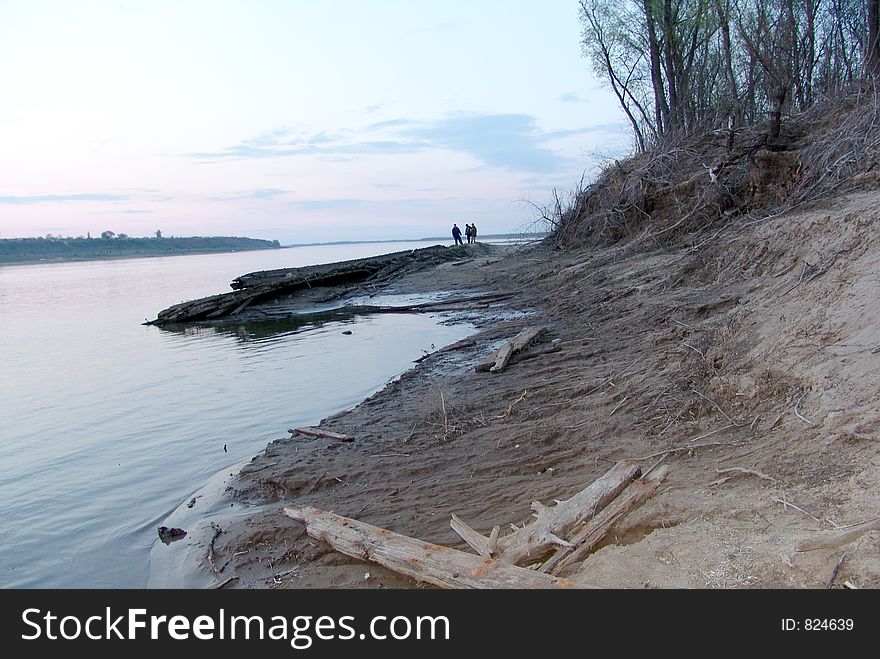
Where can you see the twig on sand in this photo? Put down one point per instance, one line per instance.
(445, 417)
(217, 532)
(798, 414)
(611, 377)
(714, 432)
(683, 448)
(835, 571)
(696, 350)
(745, 470)
(716, 406)
(788, 504)
(513, 404)
(619, 405)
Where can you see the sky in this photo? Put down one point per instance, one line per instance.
(294, 120)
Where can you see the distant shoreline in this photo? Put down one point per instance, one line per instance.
(28, 251)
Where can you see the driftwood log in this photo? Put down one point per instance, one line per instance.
(498, 361)
(423, 561)
(551, 525)
(586, 538)
(324, 434)
(840, 538)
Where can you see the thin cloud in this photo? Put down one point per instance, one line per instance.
(572, 97)
(507, 141)
(262, 193)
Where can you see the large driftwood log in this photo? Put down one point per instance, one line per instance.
(553, 525)
(430, 563)
(498, 361)
(587, 537)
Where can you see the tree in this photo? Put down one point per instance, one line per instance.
(678, 66)
(107, 235)
(872, 43)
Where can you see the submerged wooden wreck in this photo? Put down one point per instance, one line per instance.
(317, 284)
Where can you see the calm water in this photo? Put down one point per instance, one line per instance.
(106, 426)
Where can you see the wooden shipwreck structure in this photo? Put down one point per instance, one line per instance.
(315, 284)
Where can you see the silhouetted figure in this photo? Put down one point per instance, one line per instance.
(473, 233)
(456, 234)
(467, 232)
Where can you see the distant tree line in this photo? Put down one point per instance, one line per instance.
(24, 250)
(679, 66)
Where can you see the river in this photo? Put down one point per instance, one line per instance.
(107, 425)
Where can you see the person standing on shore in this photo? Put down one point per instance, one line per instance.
(467, 232)
(473, 233)
(456, 234)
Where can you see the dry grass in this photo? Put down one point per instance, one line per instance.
(691, 186)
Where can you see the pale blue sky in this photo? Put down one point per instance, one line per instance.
(297, 120)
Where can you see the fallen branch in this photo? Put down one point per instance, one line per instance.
(835, 572)
(423, 561)
(474, 539)
(610, 378)
(324, 434)
(839, 539)
(798, 414)
(740, 470)
(717, 407)
(588, 537)
(217, 531)
(787, 504)
(619, 405)
(554, 524)
(513, 404)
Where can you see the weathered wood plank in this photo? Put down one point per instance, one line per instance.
(515, 345)
(553, 524)
(587, 537)
(498, 360)
(502, 358)
(324, 434)
(423, 561)
(487, 363)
